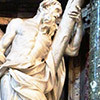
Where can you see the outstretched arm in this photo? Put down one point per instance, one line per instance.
(73, 48)
(8, 38)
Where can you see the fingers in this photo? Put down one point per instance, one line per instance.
(78, 8)
(73, 17)
(76, 14)
(76, 11)
(77, 18)
(73, 14)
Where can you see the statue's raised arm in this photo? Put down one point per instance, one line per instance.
(65, 29)
(73, 47)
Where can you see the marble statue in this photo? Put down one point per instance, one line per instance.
(28, 71)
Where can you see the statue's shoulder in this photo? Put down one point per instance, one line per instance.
(30, 21)
(16, 21)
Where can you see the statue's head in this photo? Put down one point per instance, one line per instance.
(50, 6)
(51, 10)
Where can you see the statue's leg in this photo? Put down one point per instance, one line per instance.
(7, 93)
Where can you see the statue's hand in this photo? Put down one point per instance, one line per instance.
(76, 15)
(2, 58)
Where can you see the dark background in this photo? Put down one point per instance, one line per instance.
(23, 8)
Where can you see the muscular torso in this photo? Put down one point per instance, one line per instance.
(27, 42)
(24, 40)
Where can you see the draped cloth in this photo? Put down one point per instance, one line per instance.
(38, 82)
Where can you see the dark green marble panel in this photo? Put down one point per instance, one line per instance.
(94, 77)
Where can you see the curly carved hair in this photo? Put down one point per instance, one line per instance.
(54, 4)
(52, 11)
